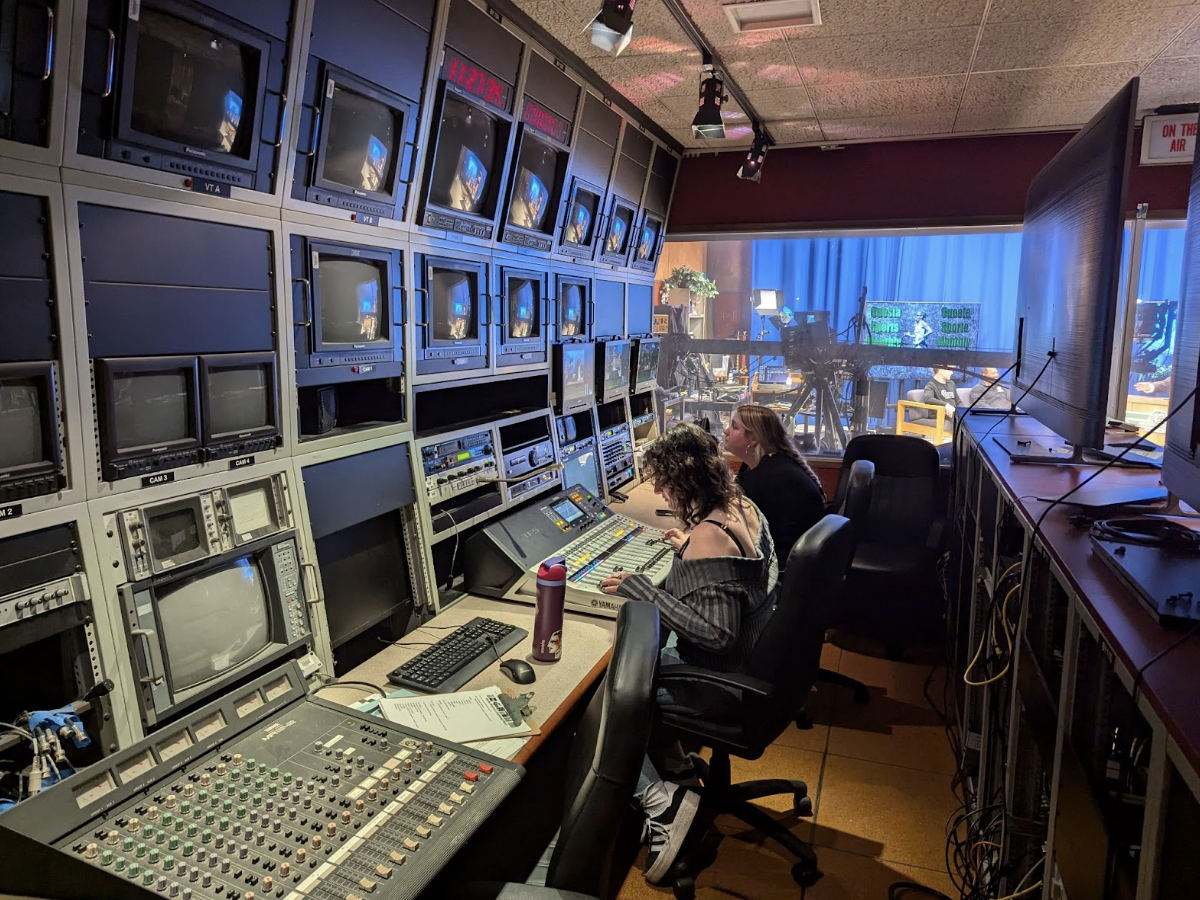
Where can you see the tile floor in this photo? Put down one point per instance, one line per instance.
(879, 776)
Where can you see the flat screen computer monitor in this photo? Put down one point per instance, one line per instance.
(1181, 462)
(1070, 273)
(213, 622)
(616, 368)
(583, 469)
(193, 87)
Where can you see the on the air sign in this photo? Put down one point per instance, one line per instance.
(1168, 139)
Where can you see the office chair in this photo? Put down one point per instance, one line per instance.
(602, 773)
(784, 666)
(854, 505)
(889, 592)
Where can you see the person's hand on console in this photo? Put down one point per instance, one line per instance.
(674, 537)
(610, 584)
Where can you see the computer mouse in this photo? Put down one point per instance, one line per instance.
(518, 670)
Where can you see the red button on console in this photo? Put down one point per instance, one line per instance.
(471, 776)
(486, 769)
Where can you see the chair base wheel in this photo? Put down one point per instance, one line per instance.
(802, 805)
(805, 874)
(804, 721)
(684, 888)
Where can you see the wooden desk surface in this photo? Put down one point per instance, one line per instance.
(587, 646)
(1127, 627)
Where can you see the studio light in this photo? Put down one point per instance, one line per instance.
(751, 169)
(612, 29)
(765, 300)
(708, 124)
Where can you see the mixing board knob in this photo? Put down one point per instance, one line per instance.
(206, 836)
(225, 866)
(277, 826)
(268, 884)
(189, 789)
(247, 778)
(223, 824)
(256, 800)
(372, 794)
(435, 820)
(456, 797)
(383, 786)
(210, 817)
(383, 743)
(446, 809)
(318, 747)
(127, 844)
(397, 858)
(226, 806)
(185, 807)
(321, 791)
(91, 851)
(312, 787)
(408, 765)
(361, 761)
(258, 784)
(173, 890)
(345, 816)
(168, 862)
(171, 801)
(152, 856)
(241, 812)
(119, 864)
(287, 777)
(422, 832)
(337, 754)
(292, 813)
(147, 878)
(237, 760)
(250, 763)
(187, 894)
(152, 813)
(134, 870)
(336, 781)
(106, 858)
(301, 855)
(112, 837)
(172, 843)
(285, 870)
(331, 829)
(260, 838)
(347, 771)
(243, 851)
(429, 746)
(205, 880)
(205, 779)
(244, 794)
(218, 785)
(132, 826)
(139, 850)
(410, 844)
(307, 802)
(416, 756)
(316, 842)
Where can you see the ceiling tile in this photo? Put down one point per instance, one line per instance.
(858, 99)
(1079, 41)
(1188, 42)
(1062, 84)
(804, 131)
(1170, 81)
(1033, 115)
(840, 17)
(781, 103)
(1023, 10)
(665, 76)
(888, 126)
(873, 57)
(768, 65)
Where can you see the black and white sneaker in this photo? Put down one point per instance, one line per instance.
(670, 811)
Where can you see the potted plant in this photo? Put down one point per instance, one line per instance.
(698, 286)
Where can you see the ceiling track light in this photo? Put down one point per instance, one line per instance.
(612, 29)
(751, 168)
(708, 123)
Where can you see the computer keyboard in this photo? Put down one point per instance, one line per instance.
(458, 657)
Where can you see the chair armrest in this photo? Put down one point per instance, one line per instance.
(489, 890)
(938, 410)
(753, 686)
(936, 533)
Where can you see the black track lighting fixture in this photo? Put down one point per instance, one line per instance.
(708, 123)
(751, 168)
(612, 29)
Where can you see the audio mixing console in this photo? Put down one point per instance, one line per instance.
(502, 559)
(264, 794)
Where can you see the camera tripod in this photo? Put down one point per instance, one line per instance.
(815, 391)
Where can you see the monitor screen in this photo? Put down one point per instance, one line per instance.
(522, 308)
(647, 369)
(571, 312)
(466, 154)
(193, 86)
(536, 169)
(581, 218)
(647, 240)
(616, 365)
(583, 470)
(151, 409)
(579, 372)
(360, 147)
(567, 510)
(453, 297)
(213, 622)
(618, 232)
(21, 411)
(350, 293)
(239, 399)
(173, 533)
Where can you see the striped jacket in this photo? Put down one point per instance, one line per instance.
(718, 606)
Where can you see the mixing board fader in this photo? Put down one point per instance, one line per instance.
(269, 794)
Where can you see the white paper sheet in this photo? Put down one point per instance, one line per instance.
(462, 717)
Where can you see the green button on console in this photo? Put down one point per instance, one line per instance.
(201, 796)
(257, 800)
(272, 788)
(185, 807)
(258, 784)
(274, 773)
(153, 856)
(140, 850)
(147, 831)
(224, 823)
(210, 817)
(172, 843)
(168, 861)
(192, 830)
(188, 848)
(160, 837)
(227, 806)
(106, 858)
(206, 836)
(127, 845)
(287, 777)
(241, 812)
(134, 870)
(147, 878)
(119, 864)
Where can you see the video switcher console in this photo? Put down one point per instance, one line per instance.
(264, 794)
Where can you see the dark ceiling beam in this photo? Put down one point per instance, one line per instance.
(675, 8)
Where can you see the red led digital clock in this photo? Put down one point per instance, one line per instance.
(477, 82)
(538, 117)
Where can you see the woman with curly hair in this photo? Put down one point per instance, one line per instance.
(716, 599)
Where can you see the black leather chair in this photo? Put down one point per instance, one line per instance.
(891, 590)
(602, 773)
(852, 501)
(784, 666)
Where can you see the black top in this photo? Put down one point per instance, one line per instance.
(787, 495)
(725, 528)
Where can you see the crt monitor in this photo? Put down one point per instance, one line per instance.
(1181, 460)
(1070, 273)
(352, 309)
(617, 241)
(465, 158)
(537, 174)
(240, 395)
(572, 309)
(361, 143)
(522, 308)
(213, 622)
(148, 404)
(616, 369)
(194, 87)
(452, 296)
(28, 420)
(581, 218)
(577, 376)
(647, 240)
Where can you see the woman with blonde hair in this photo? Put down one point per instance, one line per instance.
(775, 476)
